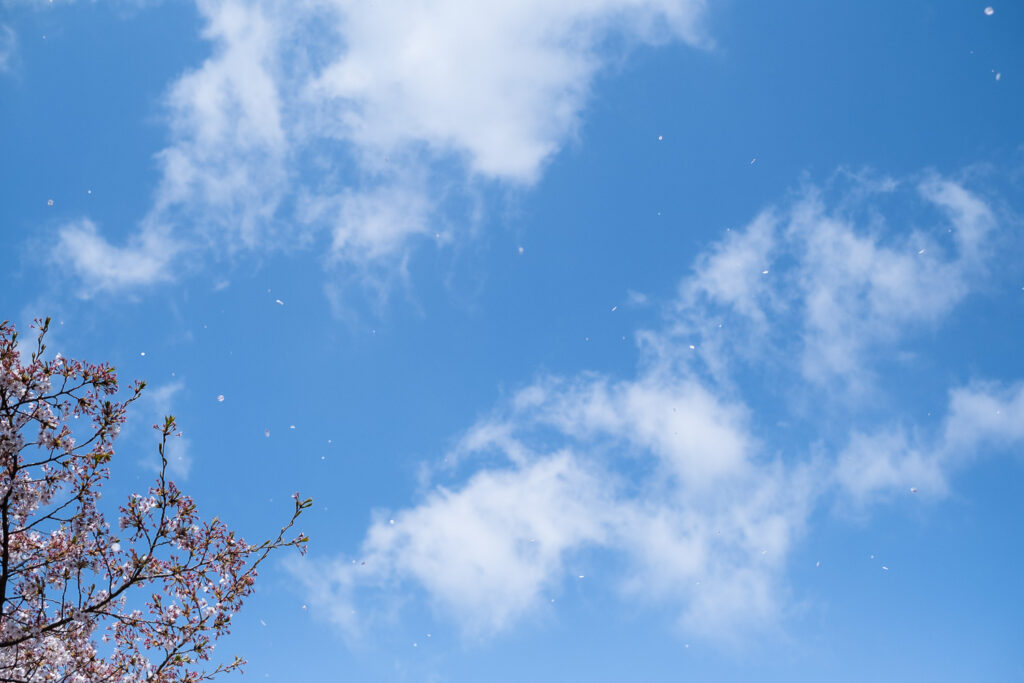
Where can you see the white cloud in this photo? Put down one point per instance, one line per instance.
(104, 267)
(486, 551)
(970, 215)
(705, 528)
(8, 47)
(368, 225)
(226, 169)
(732, 271)
(672, 470)
(302, 116)
(697, 438)
(985, 413)
(501, 83)
(843, 287)
(883, 464)
(981, 417)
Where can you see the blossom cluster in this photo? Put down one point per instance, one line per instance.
(81, 601)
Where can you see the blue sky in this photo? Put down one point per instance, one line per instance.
(615, 339)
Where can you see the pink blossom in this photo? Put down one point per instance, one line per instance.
(65, 577)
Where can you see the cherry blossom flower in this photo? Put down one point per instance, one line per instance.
(79, 600)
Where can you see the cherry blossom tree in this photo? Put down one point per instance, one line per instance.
(82, 601)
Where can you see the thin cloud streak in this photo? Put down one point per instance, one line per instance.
(8, 47)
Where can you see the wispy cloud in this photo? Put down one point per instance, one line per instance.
(8, 47)
(226, 168)
(102, 266)
(498, 546)
(669, 469)
(981, 417)
(829, 286)
(342, 117)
